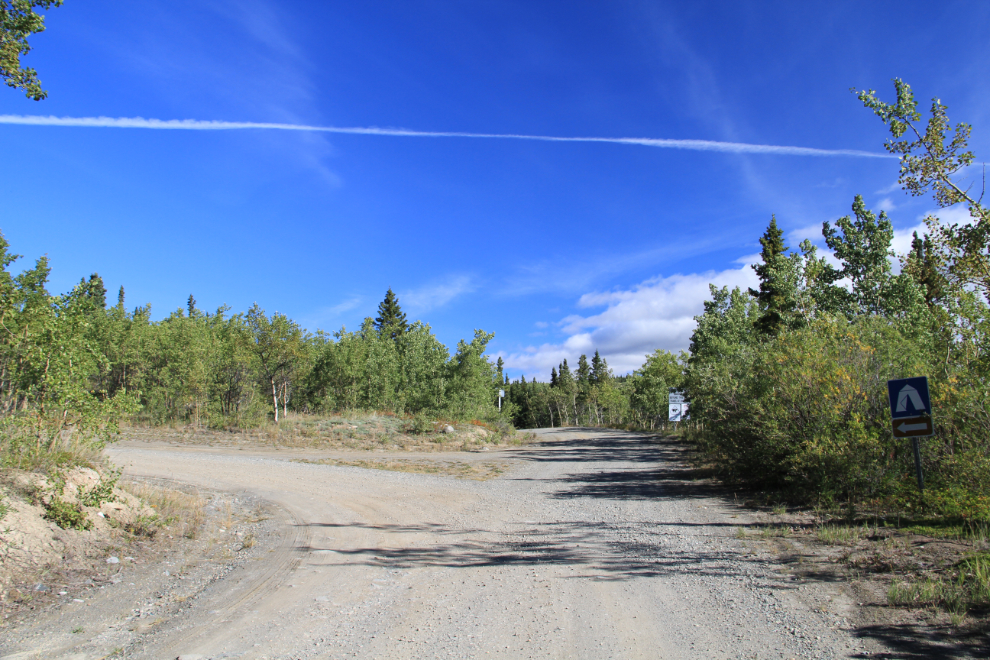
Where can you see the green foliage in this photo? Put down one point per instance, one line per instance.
(391, 320)
(66, 515)
(788, 384)
(102, 492)
(18, 21)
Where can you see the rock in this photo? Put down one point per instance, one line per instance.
(113, 560)
(40, 587)
(448, 429)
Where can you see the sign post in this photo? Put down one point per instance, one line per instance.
(501, 393)
(911, 415)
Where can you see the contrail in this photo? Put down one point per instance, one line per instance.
(201, 125)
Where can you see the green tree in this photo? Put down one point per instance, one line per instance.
(930, 160)
(18, 21)
(278, 347)
(651, 385)
(600, 373)
(776, 294)
(391, 320)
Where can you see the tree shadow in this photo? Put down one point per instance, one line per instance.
(600, 551)
(919, 641)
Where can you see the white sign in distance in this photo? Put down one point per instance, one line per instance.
(675, 397)
(678, 412)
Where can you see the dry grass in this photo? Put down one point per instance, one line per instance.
(479, 471)
(174, 509)
(355, 430)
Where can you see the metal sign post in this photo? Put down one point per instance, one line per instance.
(911, 415)
(501, 393)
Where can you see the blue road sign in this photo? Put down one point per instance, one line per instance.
(909, 397)
(910, 408)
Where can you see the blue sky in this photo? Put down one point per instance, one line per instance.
(557, 247)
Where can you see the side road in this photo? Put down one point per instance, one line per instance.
(589, 544)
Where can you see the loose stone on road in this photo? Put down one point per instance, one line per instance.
(591, 544)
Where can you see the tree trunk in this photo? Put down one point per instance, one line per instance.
(275, 399)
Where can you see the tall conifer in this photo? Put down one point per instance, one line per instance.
(391, 319)
(772, 297)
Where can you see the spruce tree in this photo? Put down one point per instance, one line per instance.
(599, 370)
(95, 290)
(553, 377)
(191, 305)
(583, 373)
(391, 319)
(120, 297)
(775, 302)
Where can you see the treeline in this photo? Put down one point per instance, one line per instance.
(72, 366)
(592, 395)
(787, 382)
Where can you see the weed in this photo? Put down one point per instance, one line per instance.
(842, 534)
(774, 531)
(101, 492)
(248, 542)
(66, 515)
(77, 630)
(969, 589)
(779, 509)
(172, 507)
(4, 508)
(740, 533)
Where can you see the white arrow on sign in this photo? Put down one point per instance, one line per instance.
(904, 428)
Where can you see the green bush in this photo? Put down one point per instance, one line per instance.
(66, 515)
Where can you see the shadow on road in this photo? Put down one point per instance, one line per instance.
(666, 475)
(910, 641)
(612, 551)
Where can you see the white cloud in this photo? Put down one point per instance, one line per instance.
(436, 295)
(886, 204)
(658, 313)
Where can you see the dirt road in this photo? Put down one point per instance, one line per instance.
(589, 545)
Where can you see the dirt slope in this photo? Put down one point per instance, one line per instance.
(588, 545)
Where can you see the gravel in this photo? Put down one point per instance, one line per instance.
(592, 544)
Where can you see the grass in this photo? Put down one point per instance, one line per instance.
(349, 430)
(480, 471)
(837, 534)
(965, 589)
(774, 531)
(175, 509)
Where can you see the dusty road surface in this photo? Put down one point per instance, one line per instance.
(589, 544)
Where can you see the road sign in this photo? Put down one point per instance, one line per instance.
(678, 412)
(911, 427)
(676, 396)
(910, 407)
(911, 415)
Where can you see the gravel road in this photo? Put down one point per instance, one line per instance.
(590, 545)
